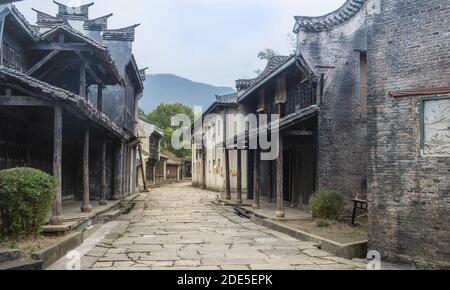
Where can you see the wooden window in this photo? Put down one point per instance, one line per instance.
(281, 93)
(12, 58)
(363, 81)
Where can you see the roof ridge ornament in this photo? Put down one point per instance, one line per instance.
(121, 34)
(47, 20)
(331, 20)
(97, 24)
(74, 13)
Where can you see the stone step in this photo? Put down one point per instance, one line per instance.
(109, 216)
(21, 264)
(7, 255)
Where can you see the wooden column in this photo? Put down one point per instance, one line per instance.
(118, 167)
(270, 181)
(86, 207)
(256, 187)
(100, 97)
(56, 218)
(227, 174)
(280, 170)
(103, 200)
(83, 79)
(144, 178)
(250, 175)
(227, 159)
(154, 172)
(239, 176)
(165, 170)
(204, 170)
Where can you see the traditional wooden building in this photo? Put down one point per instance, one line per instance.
(149, 153)
(211, 162)
(68, 103)
(287, 88)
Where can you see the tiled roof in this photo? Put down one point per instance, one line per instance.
(230, 99)
(24, 21)
(272, 65)
(73, 32)
(97, 24)
(66, 96)
(47, 20)
(124, 34)
(331, 20)
(80, 12)
(282, 124)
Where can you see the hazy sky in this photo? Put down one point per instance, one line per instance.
(212, 41)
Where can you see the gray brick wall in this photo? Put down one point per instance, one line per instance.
(408, 47)
(342, 125)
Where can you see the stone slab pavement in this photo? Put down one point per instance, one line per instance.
(177, 227)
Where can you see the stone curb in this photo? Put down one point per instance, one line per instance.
(346, 251)
(55, 252)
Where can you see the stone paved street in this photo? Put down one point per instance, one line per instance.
(177, 227)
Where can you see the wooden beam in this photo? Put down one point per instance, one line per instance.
(48, 71)
(43, 61)
(24, 101)
(56, 218)
(28, 94)
(90, 71)
(62, 46)
(300, 133)
(86, 206)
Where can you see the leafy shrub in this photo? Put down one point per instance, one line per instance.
(26, 196)
(327, 204)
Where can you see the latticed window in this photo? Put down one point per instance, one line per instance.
(12, 57)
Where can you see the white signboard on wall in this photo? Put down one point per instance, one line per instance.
(436, 127)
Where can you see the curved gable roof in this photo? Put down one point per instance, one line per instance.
(331, 20)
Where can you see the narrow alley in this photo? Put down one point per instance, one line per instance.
(179, 227)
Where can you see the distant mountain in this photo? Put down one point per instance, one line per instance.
(168, 88)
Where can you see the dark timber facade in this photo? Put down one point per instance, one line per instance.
(286, 88)
(69, 90)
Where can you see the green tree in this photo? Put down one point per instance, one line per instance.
(142, 114)
(162, 117)
(267, 54)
